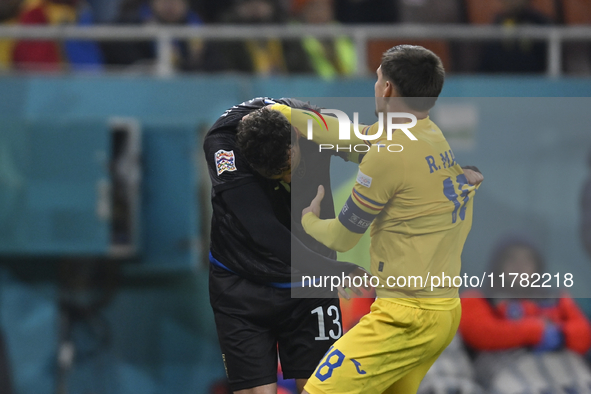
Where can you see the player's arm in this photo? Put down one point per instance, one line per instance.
(376, 184)
(330, 232)
(255, 213)
(321, 133)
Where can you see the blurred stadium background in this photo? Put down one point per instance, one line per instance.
(103, 191)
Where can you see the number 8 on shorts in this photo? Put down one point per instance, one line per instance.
(324, 370)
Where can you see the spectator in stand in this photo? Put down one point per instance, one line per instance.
(262, 57)
(586, 211)
(9, 12)
(506, 318)
(327, 58)
(516, 55)
(53, 55)
(187, 54)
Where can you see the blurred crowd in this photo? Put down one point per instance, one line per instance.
(327, 58)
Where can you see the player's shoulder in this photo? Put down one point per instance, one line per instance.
(220, 138)
(232, 116)
(295, 103)
(225, 160)
(381, 163)
(384, 151)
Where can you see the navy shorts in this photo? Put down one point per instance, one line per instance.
(256, 323)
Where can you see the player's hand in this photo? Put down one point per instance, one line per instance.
(315, 204)
(473, 177)
(357, 272)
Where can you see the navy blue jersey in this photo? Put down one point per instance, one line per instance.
(231, 243)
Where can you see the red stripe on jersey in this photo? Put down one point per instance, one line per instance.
(364, 204)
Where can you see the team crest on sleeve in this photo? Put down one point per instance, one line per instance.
(225, 161)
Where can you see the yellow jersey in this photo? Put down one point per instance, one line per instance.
(418, 202)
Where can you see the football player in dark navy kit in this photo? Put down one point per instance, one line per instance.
(252, 248)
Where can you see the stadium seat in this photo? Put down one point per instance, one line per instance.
(576, 12)
(576, 55)
(547, 7)
(375, 49)
(482, 12)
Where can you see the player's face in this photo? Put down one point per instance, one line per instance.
(294, 161)
(295, 157)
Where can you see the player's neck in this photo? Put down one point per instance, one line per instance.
(398, 106)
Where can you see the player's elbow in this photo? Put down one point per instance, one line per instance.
(343, 249)
(340, 247)
(344, 242)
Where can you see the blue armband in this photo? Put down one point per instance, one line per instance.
(354, 218)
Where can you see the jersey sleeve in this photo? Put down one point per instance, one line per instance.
(226, 165)
(381, 174)
(325, 129)
(330, 232)
(377, 182)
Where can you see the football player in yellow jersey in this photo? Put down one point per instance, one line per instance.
(419, 204)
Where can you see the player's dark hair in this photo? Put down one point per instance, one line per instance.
(415, 72)
(264, 138)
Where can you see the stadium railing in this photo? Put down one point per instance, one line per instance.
(164, 36)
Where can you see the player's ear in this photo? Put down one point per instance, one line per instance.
(388, 89)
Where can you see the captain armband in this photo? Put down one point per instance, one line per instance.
(354, 218)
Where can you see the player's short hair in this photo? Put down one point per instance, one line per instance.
(415, 72)
(265, 138)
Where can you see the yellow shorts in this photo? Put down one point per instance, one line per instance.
(389, 351)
